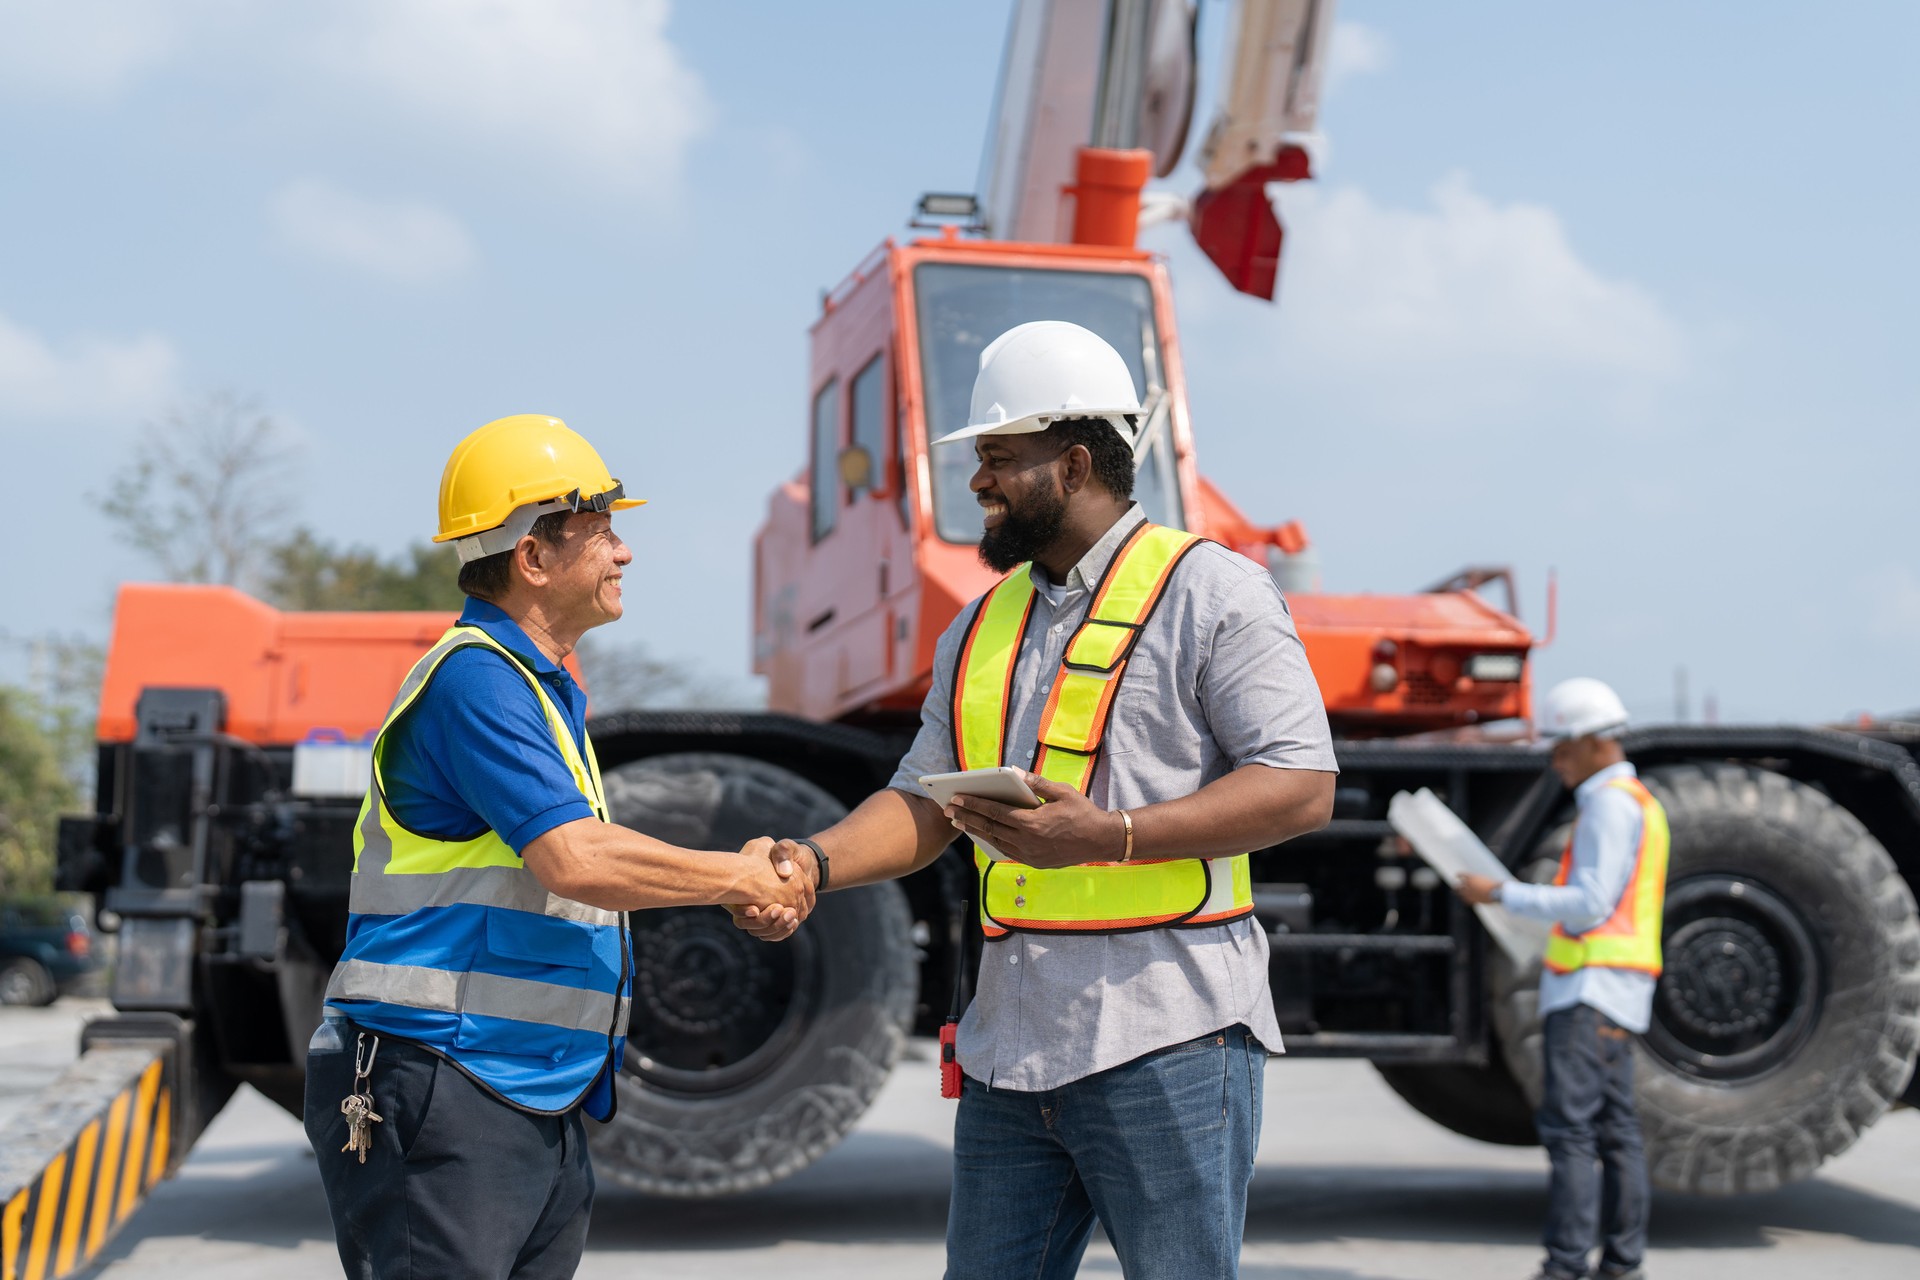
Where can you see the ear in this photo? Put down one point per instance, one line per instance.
(1079, 469)
(533, 560)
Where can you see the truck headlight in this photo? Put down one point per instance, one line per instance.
(1495, 666)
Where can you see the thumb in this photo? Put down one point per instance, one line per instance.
(1048, 789)
(783, 858)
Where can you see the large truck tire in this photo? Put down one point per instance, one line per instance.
(1788, 1017)
(1483, 1103)
(746, 1061)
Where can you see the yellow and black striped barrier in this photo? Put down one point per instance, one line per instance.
(76, 1165)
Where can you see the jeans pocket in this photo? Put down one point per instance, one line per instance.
(415, 1107)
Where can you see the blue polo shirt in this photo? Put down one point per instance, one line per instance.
(473, 753)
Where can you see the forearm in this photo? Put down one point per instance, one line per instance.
(1254, 807)
(1579, 905)
(890, 835)
(618, 869)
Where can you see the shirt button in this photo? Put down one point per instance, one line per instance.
(1013, 959)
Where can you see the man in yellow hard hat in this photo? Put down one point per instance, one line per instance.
(480, 1004)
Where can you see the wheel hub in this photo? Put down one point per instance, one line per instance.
(1726, 978)
(1741, 989)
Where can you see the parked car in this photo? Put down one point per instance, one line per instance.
(47, 949)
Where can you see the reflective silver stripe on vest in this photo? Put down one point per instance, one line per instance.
(513, 888)
(485, 994)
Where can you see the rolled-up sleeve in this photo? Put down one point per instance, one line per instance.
(1605, 842)
(1261, 700)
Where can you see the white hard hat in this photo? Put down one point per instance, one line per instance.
(1037, 373)
(1579, 708)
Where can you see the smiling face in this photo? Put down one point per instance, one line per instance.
(578, 580)
(1021, 484)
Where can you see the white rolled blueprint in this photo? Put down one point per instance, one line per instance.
(1450, 848)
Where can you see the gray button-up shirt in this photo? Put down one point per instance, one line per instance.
(1217, 680)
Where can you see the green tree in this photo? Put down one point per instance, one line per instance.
(302, 572)
(34, 791)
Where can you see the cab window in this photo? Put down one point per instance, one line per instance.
(826, 459)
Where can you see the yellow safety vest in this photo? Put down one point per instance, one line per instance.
(1630, 937)
(1101, 897)
(456, 945)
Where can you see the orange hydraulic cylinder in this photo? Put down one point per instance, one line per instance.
(1106, 195)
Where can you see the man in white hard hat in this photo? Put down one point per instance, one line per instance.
(1596, 993)
(1153, 685)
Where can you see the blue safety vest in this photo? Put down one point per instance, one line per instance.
(456, 945)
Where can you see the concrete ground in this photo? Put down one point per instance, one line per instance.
(1351, 1186)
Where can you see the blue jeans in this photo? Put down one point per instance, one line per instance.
(1587, 1123)
(1160, 1149)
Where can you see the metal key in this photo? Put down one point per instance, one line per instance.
(358, 1109)
(357, 1106)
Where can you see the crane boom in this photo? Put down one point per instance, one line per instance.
(1118, 76)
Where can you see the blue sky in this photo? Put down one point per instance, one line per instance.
(1623, 290)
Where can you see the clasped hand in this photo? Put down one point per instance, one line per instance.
(793, 862)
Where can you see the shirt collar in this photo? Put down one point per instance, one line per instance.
(1612, 773)
(1093, 566)
(493, 620)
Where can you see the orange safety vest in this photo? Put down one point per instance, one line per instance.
(1630, 937)
(1105, 897)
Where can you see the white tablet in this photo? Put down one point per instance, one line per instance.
(1004, 784)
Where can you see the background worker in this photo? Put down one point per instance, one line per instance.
(1114, 1049)
(481, 1002)
(1596, 994)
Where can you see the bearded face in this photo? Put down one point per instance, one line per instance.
(1020, 527)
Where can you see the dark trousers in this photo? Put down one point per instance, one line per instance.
(458, 1183)
(1160, 1149)
(1587, 1123)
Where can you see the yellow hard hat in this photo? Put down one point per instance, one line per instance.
(511, 472)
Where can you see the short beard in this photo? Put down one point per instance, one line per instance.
(1023, 535)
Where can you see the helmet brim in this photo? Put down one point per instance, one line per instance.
(1032, 424)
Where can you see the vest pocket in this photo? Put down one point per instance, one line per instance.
(515, 1039)
(544, 940)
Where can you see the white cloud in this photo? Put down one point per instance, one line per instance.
(1464, 296)
(594, 80)
(86, 377)
(83, 48)
(1357, 50)
(403, 240)
(596, 83)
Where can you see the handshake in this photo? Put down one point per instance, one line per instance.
(774, 893)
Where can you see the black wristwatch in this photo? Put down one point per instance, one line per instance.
(819, 860)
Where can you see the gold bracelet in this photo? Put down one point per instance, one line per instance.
(1126, 820)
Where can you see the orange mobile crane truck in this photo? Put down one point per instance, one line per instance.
(231, 766)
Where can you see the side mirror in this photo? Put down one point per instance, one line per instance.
(856, 467)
